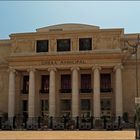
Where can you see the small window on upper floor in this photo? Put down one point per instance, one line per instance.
(85, 44)
(63, 45)
(42, 46)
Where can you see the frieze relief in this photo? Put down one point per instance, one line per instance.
(96, 42)
(107, 42)
(52, 44)
(74, 43)
(23, 46)
(115, 42)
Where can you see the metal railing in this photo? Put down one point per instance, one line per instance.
(65, 123)
(43, 91)
(65, 90)
(89, 90)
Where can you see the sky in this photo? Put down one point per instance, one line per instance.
(27, 16)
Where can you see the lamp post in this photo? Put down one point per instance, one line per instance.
(137, 98)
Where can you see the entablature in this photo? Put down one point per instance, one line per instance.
(66, 60)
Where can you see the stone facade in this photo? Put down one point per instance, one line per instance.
(19, 57)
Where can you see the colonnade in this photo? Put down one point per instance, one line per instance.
(75, 92)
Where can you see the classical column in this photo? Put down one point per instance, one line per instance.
(11, 98)
(75, 92)
(118, 90)
(96, 87)
(31, 97)
(52, 90)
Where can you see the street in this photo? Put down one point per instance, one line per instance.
(67, 135)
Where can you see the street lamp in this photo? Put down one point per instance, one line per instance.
(134, 47)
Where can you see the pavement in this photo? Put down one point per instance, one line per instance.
(68, 135)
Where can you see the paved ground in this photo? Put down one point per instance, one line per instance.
(67, 135)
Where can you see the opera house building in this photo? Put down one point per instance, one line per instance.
(68, 70)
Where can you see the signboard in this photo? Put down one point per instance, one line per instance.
(63, 62)
(137, 100)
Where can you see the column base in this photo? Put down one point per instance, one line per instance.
(32, 124)
(98, 123)
(9, 124)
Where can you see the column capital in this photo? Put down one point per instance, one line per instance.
(96, 66)
(118, 66)
(52, 69)
(31, 69)
(75, 68)
(11, 69)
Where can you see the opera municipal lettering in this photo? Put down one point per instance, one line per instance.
(69, 71)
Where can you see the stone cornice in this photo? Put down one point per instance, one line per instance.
(35, 34)
(73, 32)
(3, 66)
(66, 56)
(11, 69)
(5, 41)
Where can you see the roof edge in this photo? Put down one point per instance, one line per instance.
(67, 27)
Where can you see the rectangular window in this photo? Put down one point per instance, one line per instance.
(85, 44)
(85, 104)
(106, 107)
(65, 105)
(63, 45)
(44, 84)
(105, 104)
(24, 106)
(25, 88)
(66, 83)
(42, 45)
(85, 83)
(105, 82)
(44, 107)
